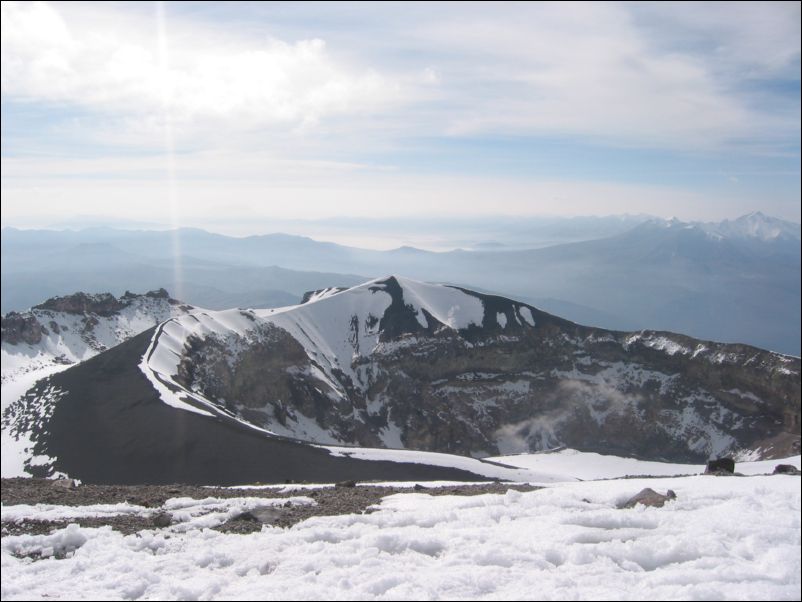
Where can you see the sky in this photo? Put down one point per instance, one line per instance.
(193, 113)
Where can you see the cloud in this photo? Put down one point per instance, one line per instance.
(123, 64)
(663, 76)
(332, 108)
(596, 71)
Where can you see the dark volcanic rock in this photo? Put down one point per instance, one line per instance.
(102, 304)
(720, 465)
(21, 328)
(786, 469)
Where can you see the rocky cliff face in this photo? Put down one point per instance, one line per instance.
(101, 304)
(69, 329)
(403, 364)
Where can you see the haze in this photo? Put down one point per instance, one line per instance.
(242, 118)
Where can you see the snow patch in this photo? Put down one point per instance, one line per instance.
(526, 314)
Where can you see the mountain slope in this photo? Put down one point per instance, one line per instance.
(102, 422)
(399, 363)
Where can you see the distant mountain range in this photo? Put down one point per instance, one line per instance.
(242, 394)
(734, 281)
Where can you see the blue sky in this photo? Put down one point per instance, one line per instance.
(189, 111)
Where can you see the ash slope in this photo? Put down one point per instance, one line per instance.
(101, 421)
(398, 363)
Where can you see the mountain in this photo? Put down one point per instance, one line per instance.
(734, 281)
(399, 363)
(757, 226)
(669, 275)
(70, 329)
(63, 331)
(41, 264)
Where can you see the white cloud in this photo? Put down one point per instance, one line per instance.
(117, 63)
(664, 76)
(272, 114)
(592, 71)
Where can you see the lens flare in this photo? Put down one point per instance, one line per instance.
(166, 84)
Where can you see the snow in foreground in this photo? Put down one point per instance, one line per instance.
(723, 538)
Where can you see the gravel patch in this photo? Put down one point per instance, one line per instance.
(329, 501)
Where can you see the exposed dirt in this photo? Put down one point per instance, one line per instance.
(329, 501)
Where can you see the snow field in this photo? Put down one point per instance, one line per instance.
(723, 538)
(590, 465)
(485, 469)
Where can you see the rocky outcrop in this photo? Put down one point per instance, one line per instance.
(28, 327)
(21, 328)
(102, 304)
(65, 330)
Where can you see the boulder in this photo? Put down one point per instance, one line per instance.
(720, 466)
(162, 519)
(266, 515)
(649, 497)
(786, 469)
(65, 484)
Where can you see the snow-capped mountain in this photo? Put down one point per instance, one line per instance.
(399, 363)
(756, 226)
(73, 328)
(759, 226)
(238, 395)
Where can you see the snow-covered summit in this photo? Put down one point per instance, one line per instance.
(753, 227)
(335, 326)
(759, 226)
